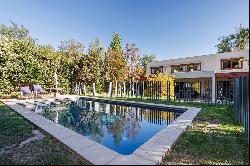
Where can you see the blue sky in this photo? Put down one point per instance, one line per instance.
(169, 28)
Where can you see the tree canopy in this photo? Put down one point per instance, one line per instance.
(234, 42)
(115, 62)
(146, 59)
(133, 58)
(25, 62)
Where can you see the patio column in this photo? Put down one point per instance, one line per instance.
(203, 87)
(213, 88)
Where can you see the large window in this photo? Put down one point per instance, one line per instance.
(182, 68)
(194, 67)
(186, 67)
(229, 64)
(224, 89)
(155, 70)
(174, 68)
(182, 89)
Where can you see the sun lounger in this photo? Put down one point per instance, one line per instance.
(25, 92)
(39, 91)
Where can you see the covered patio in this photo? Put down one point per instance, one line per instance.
(205, 86)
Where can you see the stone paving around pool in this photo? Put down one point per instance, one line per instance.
(150, 153)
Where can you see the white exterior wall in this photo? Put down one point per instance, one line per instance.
(211, 63)
(244, 54)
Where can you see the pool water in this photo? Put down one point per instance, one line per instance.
(120, 128)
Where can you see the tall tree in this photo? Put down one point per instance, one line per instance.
(90, 69)
(15, 31)
(114, 66)
(146, 59)
(116, 43)
(18, 52)
(234, 42)
(134, 67)
(71, 52)
(115, 62)
(23, 61)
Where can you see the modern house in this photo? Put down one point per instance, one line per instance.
(208, 75)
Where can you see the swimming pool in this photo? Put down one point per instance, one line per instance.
(116, 125)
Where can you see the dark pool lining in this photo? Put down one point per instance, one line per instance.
(139, 105)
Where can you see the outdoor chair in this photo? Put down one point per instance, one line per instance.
(38, 90)
(25, 92)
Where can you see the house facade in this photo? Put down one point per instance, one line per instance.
(208, 75)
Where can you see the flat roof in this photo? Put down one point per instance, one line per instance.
(202, 55)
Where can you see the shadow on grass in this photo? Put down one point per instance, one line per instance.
(209, 147)
(216, 137)
(14, 129)
(43, 152)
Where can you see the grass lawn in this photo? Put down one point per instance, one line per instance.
(46, 151)
(216, 137)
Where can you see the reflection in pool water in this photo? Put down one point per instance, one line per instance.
(120, 128)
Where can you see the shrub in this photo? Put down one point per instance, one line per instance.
(163, 77)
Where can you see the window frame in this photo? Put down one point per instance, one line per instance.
(160, 69)
(231, 60)
(194, 64)
(175, 66)
(186, 67)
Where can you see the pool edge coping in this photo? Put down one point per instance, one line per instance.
(150, 153)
